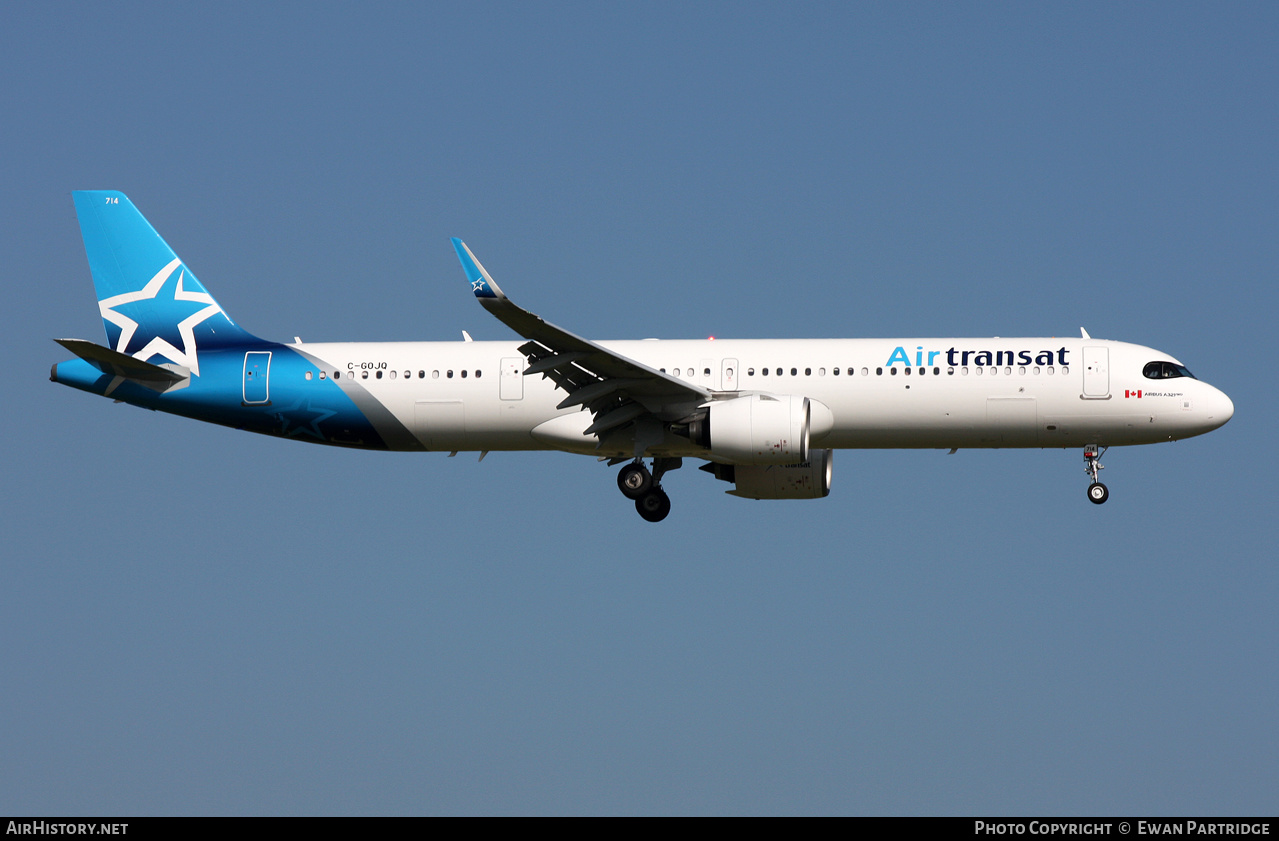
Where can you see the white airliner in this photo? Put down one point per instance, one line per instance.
(765, 415)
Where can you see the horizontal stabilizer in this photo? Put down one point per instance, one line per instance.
(117, 364)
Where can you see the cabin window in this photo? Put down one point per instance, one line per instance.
(337, 374)
(907, 371)
(835, 371)
(1065, 369)
(1049, 369)
(1035, 371)
(323, 376)
(675, 372)
(793, 372)
(865, 371)
(364, 375)
(463, 373)
(1008, 370)
(379, 375)
(821, 372)
(808, 372)
(477, 373)
(308, 375)
(750, 372)
(435, 375)
(950, 372)
(449, 373)
(706, 372)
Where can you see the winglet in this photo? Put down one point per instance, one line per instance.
(481, 284)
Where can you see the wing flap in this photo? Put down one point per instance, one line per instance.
(589, 393)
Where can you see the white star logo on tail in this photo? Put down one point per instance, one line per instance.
(188, 356)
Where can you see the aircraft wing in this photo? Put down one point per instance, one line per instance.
(615, 389)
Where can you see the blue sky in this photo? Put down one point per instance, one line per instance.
(199, 621)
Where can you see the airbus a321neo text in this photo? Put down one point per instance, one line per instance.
(764, 415)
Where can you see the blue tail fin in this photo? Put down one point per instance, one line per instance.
(151, 304)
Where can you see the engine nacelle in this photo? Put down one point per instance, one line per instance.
(804, 480)
(761, 428)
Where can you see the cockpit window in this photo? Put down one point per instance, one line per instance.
(1165, 371)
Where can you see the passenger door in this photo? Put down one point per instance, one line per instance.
(1096, 373)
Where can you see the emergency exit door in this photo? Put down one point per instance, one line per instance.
(511, 379)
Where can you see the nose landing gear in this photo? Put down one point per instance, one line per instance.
(635, 482)
(1097, 492)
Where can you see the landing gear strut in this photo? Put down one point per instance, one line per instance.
(1097, 492)
(637, 483)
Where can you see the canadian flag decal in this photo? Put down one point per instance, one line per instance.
(1128, 393)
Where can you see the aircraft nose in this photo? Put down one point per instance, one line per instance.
(1220, 408)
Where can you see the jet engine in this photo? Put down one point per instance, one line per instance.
(761, 428)
(803, 480)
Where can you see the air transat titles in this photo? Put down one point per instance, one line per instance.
(981, 358)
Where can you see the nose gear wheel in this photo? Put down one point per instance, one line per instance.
(1097, 492)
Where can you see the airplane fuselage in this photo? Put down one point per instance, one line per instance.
(460, 396)
(765, 415)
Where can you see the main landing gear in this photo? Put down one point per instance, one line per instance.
(637, 483)
(1097, 492)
